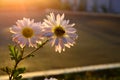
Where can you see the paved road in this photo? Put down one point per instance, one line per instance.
(98, 42)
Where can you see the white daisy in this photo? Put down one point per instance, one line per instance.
(26, 32)
(60, 32)
(50, 79)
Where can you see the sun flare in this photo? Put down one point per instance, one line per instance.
(15, 4)
(28, 4)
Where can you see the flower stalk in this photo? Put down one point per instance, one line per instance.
(15, 71)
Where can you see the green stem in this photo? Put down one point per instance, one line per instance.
(15, 66)
(16, 63)
(28, 55)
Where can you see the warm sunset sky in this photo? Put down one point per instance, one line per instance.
(14, 2)
(20, 4)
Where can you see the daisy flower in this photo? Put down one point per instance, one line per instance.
(61, 33)
(50, 79)
(26, 32)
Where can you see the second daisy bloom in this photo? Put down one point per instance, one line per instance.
(59, 31)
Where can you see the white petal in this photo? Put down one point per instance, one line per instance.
(47, 29)
(70, 30)
(48, 34)
(60, 49)
(52, 17)
(62, 17)
(69, 40)
(22, 42)
(56, 48)
(15, 29)
(32, 42)
(26, 22)
(48, 23)
(61, 43)
(20, 23)
(15, 37)
(52, 41)
(64, 40)
(46, 79)
(63, 23)
(37, 30)
(67, 21)
(67, 45)
(56, 41)
(31, 22)
(58, 20)
(72, 35)
(73, 24)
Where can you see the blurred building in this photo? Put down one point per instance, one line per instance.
(74, 4)
(111, 6)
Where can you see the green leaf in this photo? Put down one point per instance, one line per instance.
(17, 73)
(14, 53)
(6, 69)
(21, 70)
(19, 77)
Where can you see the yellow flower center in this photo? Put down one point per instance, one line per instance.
(27, 32)
(59, 31)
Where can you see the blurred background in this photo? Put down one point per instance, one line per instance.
(98, 41)
(102, 6)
